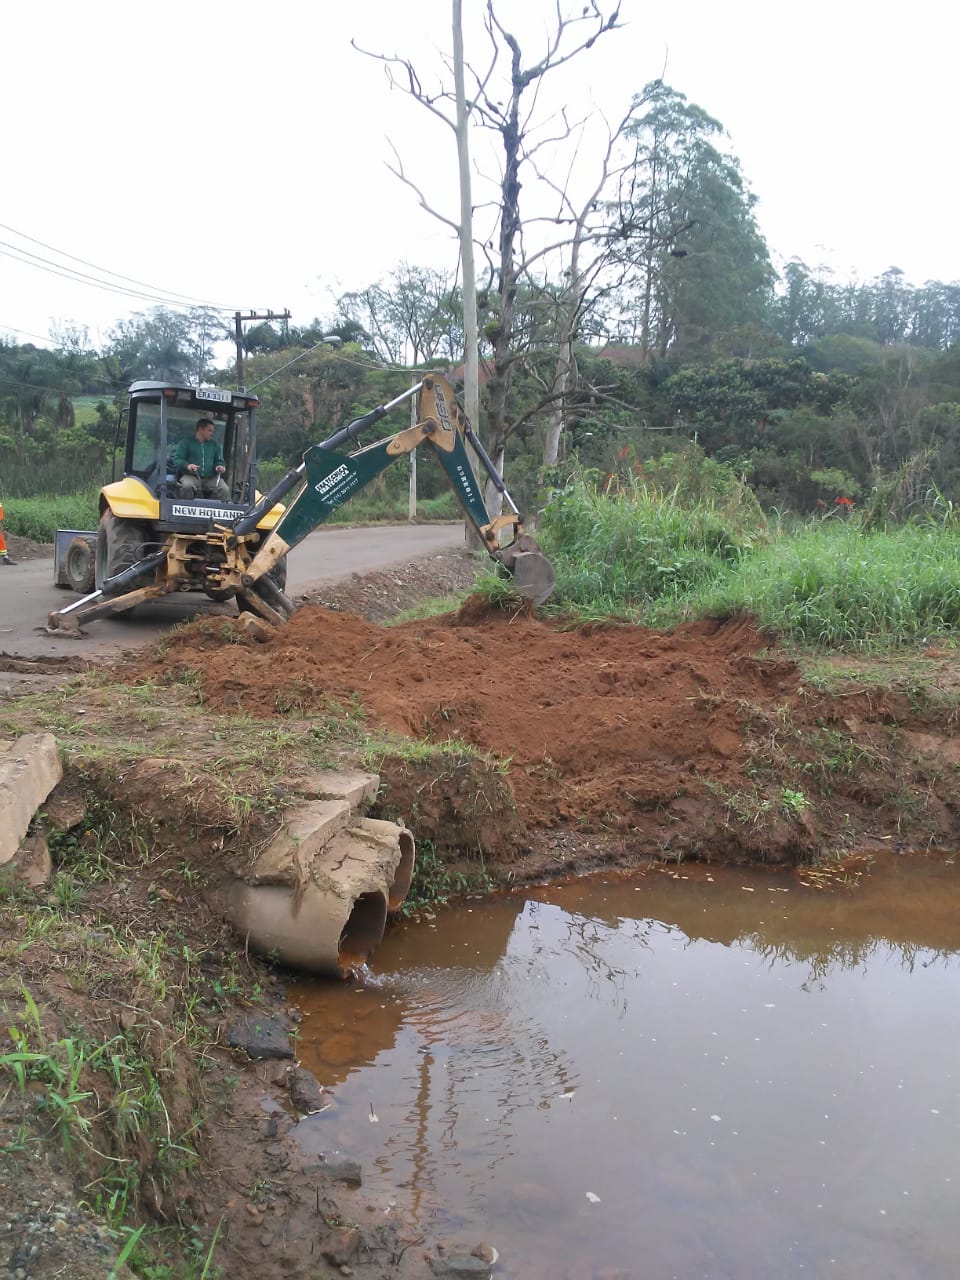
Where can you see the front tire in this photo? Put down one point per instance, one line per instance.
(78, 566)
(119, 545)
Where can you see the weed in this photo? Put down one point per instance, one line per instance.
(434, 883)
(838, 753)
(793, 802)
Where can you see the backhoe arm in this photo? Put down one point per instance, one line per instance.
(331, 477)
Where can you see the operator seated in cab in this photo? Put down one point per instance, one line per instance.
(199, 464)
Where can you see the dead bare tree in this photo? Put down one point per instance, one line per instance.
(505, 111)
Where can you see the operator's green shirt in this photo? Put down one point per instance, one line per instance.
(207, 454)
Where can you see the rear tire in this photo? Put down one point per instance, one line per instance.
(119, 545)
(220, 595)
(78, 566)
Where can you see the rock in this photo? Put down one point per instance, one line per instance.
(261, 1037)
(255, 628)
(306, 830)
(65, 806)
(355, 788)
(342, 1248)
(31, 865)
(459, 1266)
(346, 1171)
(306, 1092)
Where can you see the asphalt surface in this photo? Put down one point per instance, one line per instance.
(27, 593)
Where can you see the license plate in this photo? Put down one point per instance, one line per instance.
(222, 397)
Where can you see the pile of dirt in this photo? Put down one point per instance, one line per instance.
(27, 549)
(701, 741)
(599, 724)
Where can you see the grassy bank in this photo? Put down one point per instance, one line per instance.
(37, 518)
(662, 558)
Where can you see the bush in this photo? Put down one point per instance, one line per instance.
(37, 518)
(629, 544)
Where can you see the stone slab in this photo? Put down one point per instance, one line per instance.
(29, 770)
(357, 788)
(306, 830)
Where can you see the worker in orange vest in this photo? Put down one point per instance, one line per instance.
(4, 553)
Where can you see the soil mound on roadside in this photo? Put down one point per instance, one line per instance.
(598, 723)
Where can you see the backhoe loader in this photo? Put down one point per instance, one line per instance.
(233, 551)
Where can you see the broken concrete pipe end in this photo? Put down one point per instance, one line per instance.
(333, 918)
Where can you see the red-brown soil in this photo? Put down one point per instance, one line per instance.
(679, 743)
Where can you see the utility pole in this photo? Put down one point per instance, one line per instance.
(239, 320)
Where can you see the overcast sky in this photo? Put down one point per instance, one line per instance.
(235, 153)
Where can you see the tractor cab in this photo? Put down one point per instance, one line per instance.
(162, 414)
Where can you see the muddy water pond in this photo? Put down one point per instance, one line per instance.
(699, 1073)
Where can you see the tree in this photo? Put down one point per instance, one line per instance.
(696, 264)
(167, 345)
(498, 101)
(414, 316)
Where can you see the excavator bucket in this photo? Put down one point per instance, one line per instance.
(533, 576)
(532, 572)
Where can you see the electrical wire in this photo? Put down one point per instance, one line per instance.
(188, 299)
(80, 277)
(26, 332)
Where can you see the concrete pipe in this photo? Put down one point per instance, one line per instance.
(376, 829)
(326, 914)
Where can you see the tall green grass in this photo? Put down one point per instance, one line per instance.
(833, 584)
(616, 551)
(661, 558)
(37, 518)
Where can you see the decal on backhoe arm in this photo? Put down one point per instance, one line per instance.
(331, 481)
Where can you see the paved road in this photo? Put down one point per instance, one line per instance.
(27, 593)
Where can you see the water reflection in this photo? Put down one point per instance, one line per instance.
(716, 1076)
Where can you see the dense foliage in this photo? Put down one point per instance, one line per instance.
(660, 555)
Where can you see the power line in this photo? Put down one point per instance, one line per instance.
(79, 277)
(188, 299)
(26, 332)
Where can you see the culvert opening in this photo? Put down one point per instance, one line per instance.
(363, 932)
(403, 878)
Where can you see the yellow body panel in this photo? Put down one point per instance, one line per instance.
(130, 499)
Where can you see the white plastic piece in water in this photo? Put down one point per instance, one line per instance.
(374, 1118)
(592, 1198)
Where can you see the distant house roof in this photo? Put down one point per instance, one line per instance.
(623, 354)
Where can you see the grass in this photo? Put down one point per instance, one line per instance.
(435, 883)
(661, 559)
(37, 518)
(430, 608)
(836, 586)
(616, 552)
